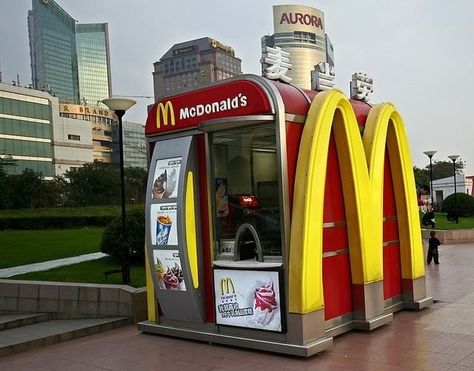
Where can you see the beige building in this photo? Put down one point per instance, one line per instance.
(194, 63)
(100, 126)
(300, 31)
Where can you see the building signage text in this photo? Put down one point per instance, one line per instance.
(304, 19)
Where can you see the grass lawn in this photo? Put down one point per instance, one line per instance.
(443, 223)
(26, 247)
(88, 272)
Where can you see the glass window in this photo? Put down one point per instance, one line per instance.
(245, 181)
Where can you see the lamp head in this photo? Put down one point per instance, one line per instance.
(430, 153)
(119, 103)
(453, 158)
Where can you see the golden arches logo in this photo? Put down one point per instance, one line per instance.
(362, 181)
(227, 286)
(165, 112)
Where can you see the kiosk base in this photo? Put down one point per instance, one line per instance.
(306, 350)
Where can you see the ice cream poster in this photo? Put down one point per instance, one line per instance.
(164, 230)
(222, 200)
(165, 179)
(168, 269)
(248, 299)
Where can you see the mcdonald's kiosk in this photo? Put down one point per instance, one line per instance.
(277, 218)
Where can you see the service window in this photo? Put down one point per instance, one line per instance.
(245, 182)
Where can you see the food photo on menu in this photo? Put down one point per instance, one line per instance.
(165, 183)
(168, 270)
(164, 224)
(248, 299)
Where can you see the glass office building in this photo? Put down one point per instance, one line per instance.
(92, 44)
(134, 145)
(53, 50)
(26, 129)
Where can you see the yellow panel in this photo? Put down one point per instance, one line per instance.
(362, 173)
(150, 291)
(191, 242)
(385, 125)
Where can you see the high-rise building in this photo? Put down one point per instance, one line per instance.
(92, 44)
(134, 145)
(69, 60)
(194, 63)
(53, 50)
(300, 31)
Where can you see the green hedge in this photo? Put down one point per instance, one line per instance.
(54, 222)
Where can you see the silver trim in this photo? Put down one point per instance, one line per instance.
(391, 243)
(298, 119)
(335, 253)
(334, 224)
(221, 124)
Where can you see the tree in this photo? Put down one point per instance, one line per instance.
(93, 184)
(441, 169)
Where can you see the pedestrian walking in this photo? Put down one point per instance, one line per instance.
(433, 244)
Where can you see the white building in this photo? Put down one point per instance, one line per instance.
(442, 188)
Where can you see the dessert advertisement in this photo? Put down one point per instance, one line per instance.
(222, 199)
(164, 222)
(248, 299)
(165, 178)
(168, 269)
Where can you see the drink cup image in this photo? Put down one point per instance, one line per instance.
(163, 228)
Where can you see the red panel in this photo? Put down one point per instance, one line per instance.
(337, 286)
(205, 238)
(392, 282)
(296, 101)
(389, 205)
(335, 238)
(390, 230)
(333, 199)
(392, 273)
(293, 137)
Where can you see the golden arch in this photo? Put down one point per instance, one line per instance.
(361, 162)
(163, 111)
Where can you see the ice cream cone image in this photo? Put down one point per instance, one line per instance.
(265, 304)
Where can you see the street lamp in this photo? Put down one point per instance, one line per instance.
(120, 105)
(453, 158)
(430, 154)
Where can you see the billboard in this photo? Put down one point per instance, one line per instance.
(362, 175)
(245, 298)
(289, 18)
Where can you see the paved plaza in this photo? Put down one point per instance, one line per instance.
(438, 338)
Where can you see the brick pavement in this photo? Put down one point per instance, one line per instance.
(438, 338)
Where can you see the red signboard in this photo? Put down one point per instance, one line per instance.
(187, 110)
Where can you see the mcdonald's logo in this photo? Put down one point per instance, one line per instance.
(362, 181)
(165, 112)
(227, 286)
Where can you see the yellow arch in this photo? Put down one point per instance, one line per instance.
(361, 164)
(385, 125)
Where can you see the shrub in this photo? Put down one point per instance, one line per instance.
(54, 222)
(111, 238)
(464, 204)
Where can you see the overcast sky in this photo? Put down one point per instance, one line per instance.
(420, 53)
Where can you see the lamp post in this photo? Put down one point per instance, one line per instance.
(120, 105)
(453, 158)
(430, 154)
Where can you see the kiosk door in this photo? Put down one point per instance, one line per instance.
(172, 222)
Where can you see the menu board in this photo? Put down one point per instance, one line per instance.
(165, 178)
(168, 270)
(163, 224)
(246, 298)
